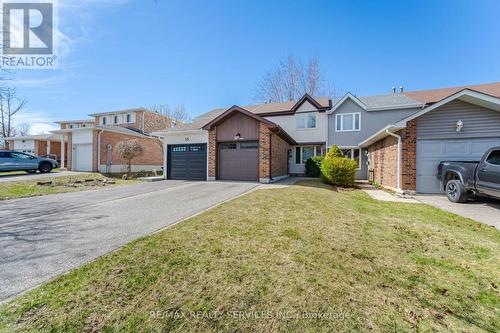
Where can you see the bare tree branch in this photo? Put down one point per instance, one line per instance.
(290, 80)
(128, 150)
(178, 114)
(10, 105)
(23, 129)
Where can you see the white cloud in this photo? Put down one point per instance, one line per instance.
(42, 128)
(40, 122)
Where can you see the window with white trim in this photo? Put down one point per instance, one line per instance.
(303, 153)
(104, 120)
(345, 122)
(116, 119)
(128, 118)
(353, 154)
(304, 121)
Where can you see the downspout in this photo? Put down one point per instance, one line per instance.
(398, 167)
(99, 150)
(143, 121)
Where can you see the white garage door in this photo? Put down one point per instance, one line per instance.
(82, 157)
(431, 152)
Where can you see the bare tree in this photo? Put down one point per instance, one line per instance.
(10, 105)
(178, 114)
(23, 129)
(290, 80)
(128, 150)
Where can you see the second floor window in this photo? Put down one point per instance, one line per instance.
(348, 122)
(115, 119)
(306, 121)
(104, 120)
(128, 118)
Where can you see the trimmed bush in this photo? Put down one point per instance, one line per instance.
(339, 171)
(334, 151)
(313, 166)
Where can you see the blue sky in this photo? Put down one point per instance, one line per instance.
(120, 54)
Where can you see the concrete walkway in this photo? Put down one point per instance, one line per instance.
(381, 195)
(27, 176)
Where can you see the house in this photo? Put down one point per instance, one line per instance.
(458, 124)
(89, 143)
(38, 145)
(263, 142)
(398, 139)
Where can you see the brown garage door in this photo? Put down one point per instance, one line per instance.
(239, 161)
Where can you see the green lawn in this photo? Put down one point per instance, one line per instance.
(29, 188)
(270, 260)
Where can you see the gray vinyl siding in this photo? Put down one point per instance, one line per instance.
(371, 122)
(441, 122)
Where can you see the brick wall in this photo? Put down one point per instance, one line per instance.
(69, 154)
(153, 151)
(212, 154)
(383, 161)
(264, 152)
(40, 147)
(409, 156)
(383, 157)
(155, 122)
(55, 149)
(152, 121)
(279, 156)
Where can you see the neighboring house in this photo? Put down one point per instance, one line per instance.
(38, 145)
(354, 119)
(69, 124)
(457, 124)
(264, 142)
(90, 143)
(249, 143)
(92, 147)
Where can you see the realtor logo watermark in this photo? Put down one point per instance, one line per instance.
(29, 34)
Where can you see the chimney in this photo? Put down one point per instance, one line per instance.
(330, 103)
(393, 90)
(401, 89)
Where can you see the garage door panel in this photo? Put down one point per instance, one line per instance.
(187, 162)
(480, 147)
(431, 152)
(239, 161)
(82, 157)
(455, 148)
(430, 147)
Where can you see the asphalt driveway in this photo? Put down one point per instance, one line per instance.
(43, 237)
(481, 209)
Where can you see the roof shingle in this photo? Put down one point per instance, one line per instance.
(435, 95)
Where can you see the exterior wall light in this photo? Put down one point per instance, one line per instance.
(237, 136)
(460, 125)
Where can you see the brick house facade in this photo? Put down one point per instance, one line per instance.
(273, 147)
(212, 154)
(383, 155)
(132, 124)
